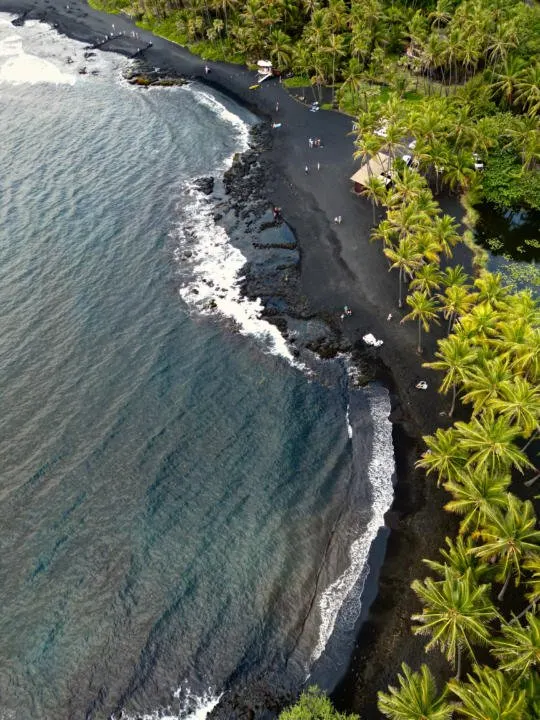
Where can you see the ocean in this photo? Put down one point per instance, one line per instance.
(185, 505)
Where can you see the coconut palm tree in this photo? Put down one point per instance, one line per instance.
(475, 494)
(489, 442)
(455, 302)
(488, 696)
(455, 358)
(532, 567)
(415, 699)
(444, 230)
(385, 232)
(427, 278)
(510, 537)
(404, 258)
(518, 651)
(459, 172)
(491, 288)
(375, 190)
(519, 401)
(424, 310)
(528, 89)
(280, 48)
(459, 560)
(505, 80)
(456, 614)
(444, 455)
(481, 323)
(485, 382)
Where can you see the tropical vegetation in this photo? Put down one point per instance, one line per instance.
(464, 75)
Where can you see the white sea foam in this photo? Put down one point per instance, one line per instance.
(380, 471)
(190, 707)
(241, 128)
(20, 67)
(36, 53)
(348, 421)
(215, 266)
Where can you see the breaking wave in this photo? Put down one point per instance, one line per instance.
(344, 595)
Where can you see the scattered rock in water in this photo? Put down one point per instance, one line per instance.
(205, 184)
(145, 75)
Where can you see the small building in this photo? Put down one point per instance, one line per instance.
(379, 166)
(264, 70)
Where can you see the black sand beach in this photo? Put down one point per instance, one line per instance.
(339, 266)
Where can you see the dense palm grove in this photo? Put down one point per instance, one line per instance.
(475, 61)
(459, 83)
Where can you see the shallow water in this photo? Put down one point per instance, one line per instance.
(169, 484)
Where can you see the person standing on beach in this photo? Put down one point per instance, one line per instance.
(318, 166)
(310, 142)
(277, 105)
(306, 170)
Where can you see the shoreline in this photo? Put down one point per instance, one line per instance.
(338, 266)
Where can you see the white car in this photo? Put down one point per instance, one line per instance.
(381, 130)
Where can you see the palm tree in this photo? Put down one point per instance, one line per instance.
(375, 190)
(455, 302)
(444, 230)
(518, 651)
(424, 310)
(459, 171)
(444, 455)
(485, 383)
(489, 442)
(459, 561)
(475, 494)
(491, 289)
(532, 566)
(455, 357)
(528, 89)
(510, 537)
(456, 614)
(416, 699)
(481, 323)
(505, 80)
(427, 278)
(405, 258)
(489, 696)
(335, 47)
(279, 46)
(519, 401)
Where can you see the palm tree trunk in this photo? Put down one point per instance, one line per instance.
(458, 668)
(532, 480)
(529, 441)
(501, 594)
(450, 321)
(530, 606)
(453, 400)
(374, 217)
(400, 304)
(419, 349)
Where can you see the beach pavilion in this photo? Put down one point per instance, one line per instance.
(379, 166)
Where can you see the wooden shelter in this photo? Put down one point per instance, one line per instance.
(379, 166)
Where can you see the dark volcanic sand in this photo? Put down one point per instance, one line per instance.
(338, 266)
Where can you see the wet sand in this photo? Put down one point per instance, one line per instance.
(339, 266)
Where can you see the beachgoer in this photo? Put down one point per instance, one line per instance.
(310, 142)
(306, 170)
(422, 385)
(277, 105)
(206, 69)
(338, 219)
(389, 317)
(318, 166)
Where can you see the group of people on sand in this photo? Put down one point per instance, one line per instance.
(314, 143)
